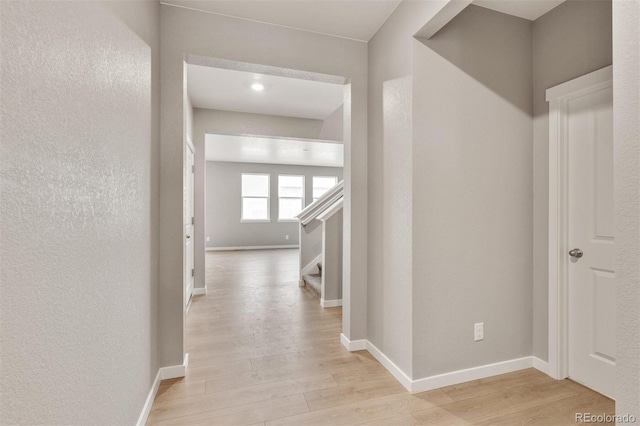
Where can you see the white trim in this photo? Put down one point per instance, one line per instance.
(251, 248)
(390, 366)
(469, 374)
(330, 303)
(353, 345)
(331, 210)
(163, 373)
(311, 266)
(541, 365)
(175, 371)
(199, 291)
(451, 378)
(558, 98)
(146, 408)
(310, 212)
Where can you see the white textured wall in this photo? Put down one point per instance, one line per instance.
(626, 136)
(79, 210)
(187, 31)
(569, 41)
(472, 197)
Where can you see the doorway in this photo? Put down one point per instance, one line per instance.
(582, 307)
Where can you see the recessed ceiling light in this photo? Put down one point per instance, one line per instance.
(258, 87)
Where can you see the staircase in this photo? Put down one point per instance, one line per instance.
(321, 247)
(314, 281)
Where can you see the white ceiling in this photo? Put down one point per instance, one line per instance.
(354, 19)
(254, 149)
(230, 90)
(527, 9)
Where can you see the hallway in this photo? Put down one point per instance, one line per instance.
(263, 350)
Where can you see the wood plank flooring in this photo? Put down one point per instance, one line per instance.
(262, 351)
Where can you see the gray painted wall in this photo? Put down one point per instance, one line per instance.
(472, 197)
(224, 204)
(185, 31)
(80, 188)
(569, 41)
(332, 260)
(332, 128)
(389, 293)
(626, 110)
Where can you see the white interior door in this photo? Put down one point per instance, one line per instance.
(591, 276)
(188, 226)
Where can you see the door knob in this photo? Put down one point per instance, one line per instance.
(576, 252)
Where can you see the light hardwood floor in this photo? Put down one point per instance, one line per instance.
(263, 351)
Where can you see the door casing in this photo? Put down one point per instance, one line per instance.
(558, 98)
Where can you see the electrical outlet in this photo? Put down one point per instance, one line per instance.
(478, 331)
(286, 237)
(208, 238)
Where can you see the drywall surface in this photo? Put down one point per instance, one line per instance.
(224, 200)
(234, 123)
(332, 264)
(189, 117)
(389, 312)
(185, 31)
(472, 197)
(569, 41)
(242, 123)
(626, 135)
(79, 167)
(332, 127)
(310, 243)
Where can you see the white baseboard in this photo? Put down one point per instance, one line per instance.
(330, 303)
(389, 365)
(251, 248)
(453, 377)
(175, 371)
(353, 345)
(469, 374)
(199, 291)
(146, 409)
(312, 267)
(541, 365)
(164, 373)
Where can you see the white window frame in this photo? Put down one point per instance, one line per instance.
(242, 197)
(291, 198)
(313, 199)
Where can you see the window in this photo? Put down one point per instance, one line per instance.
(322, 184)
(290, 196)
(255, 197)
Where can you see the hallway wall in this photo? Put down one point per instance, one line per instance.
(80, 189)
(185, 31)
(472, 197)
(389, 301)
(626, 139)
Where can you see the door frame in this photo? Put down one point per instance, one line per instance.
(187, 295)
(558, 98)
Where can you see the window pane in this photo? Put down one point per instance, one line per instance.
(255, 185)
(291, 186)
(322, 184)
(289, 207)
(255, 208)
